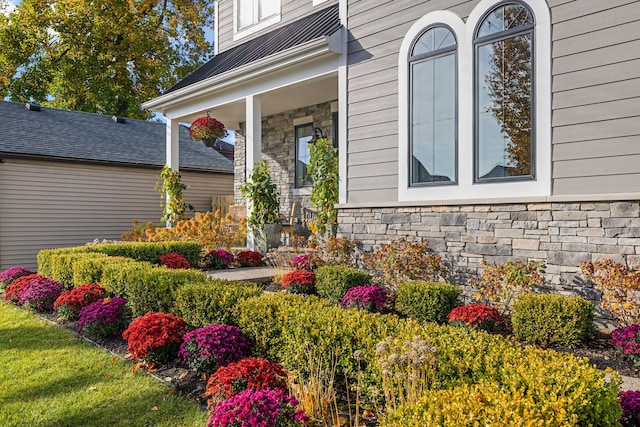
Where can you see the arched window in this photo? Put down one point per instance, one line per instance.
(433, 107)
(504, 94)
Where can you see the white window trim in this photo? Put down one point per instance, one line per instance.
(259, 26)
(466, 189)
(317, 2)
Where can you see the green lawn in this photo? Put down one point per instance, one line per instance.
(49, 377)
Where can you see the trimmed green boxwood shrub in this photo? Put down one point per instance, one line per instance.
(485, 404)
(115, 274)
(63, 266)
(214, 301)
(333, 281)
(44, 258)
(291, 329)
(426, 301)
(150, 288)
(552, 319)
(90, 269)
(150, 251)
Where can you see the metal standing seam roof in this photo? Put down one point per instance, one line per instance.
(319, 24)
(75, 135)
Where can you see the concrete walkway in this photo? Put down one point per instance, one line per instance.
(249, 274)
(630, 383)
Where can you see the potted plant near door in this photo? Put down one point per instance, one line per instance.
(264, 219)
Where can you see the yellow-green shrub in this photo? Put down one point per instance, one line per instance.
(115, 274)
(552, 319)
(44, 258)
(152, 288)
(287, 328)
(201, 304)
(426, 301)
(476, 405)
(63, 265)
(333, 281)
(90, 269)
(150, 251)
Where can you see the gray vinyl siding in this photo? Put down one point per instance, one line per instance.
(291, 10)
(595, 83)
(47, 204)
(596, 97)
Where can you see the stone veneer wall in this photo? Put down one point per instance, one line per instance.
(562, 234)
(278, 148)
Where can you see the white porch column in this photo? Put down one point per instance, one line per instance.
(172, 149)
(253, 147)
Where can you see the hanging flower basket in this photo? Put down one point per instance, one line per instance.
(207, 128)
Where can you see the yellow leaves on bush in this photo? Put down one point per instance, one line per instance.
(211, 230)
(620, 287)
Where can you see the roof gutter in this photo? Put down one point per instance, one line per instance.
(314, 49)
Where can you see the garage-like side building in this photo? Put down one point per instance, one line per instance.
(68, 177)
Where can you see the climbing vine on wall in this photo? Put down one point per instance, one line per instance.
(172, 188)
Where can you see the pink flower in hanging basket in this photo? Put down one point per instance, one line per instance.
(206, 128)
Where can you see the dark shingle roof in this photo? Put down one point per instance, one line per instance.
(77, 135)
(322, 23)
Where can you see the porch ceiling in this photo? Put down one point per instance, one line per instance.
(310, 92)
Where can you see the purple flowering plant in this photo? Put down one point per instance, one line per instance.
(627, 341)
(11, 274)
(208, 348)
(306, 262)
(103, 318)
(369, 298)
(262, 408)
(217, 259)
(630, 402)
(40, 294)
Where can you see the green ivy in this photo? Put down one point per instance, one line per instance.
(174, 206)
(323, 168)
(261, 191)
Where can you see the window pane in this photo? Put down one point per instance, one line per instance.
(434, 39)
(304, 134)
(268, 8)
(504, 97)
(245, 13)
(505, 18)
(433, 125)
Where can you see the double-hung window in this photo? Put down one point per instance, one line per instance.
(254, 15)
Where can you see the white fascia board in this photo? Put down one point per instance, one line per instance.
(295, 73)
(318, 48)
